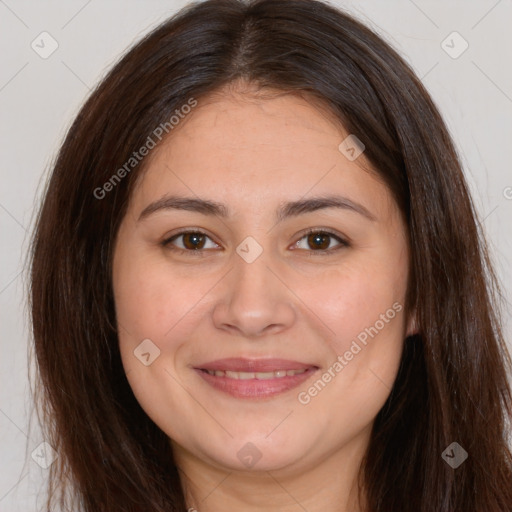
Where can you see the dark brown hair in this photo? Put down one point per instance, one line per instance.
(452, 383)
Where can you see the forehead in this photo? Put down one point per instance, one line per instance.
(269, 124)
(250, 148)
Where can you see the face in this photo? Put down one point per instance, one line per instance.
(261, 330)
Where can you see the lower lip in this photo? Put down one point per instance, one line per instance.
(254, 388)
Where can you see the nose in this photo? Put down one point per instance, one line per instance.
(254, 300)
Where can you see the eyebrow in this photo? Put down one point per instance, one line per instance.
(284, 211)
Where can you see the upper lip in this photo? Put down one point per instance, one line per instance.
(240, 364)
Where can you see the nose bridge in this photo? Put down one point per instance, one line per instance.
(252, 280)
(254, 300)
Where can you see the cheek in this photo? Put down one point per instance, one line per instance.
(153, 303)
(150, 299)
(355, 300)
(364, 307)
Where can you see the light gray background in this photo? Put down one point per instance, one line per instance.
(39, 98)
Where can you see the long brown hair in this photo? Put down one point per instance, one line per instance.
(452, 384)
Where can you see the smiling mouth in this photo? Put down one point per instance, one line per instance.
(255, 379)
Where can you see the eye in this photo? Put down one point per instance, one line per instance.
(191, 242)
(321, 241)
(195, 242)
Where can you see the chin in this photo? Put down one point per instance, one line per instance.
(254, 454)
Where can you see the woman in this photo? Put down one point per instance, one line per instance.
(258, 281)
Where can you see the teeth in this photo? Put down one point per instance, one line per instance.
(242, 375)
(255, 375)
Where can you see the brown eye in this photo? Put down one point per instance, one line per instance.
(320, 242)
(193, 241)
(189, 242)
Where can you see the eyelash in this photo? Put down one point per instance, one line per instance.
(167, 243)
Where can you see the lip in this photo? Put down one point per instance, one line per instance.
(254, 388)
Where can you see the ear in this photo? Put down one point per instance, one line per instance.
(412, 325)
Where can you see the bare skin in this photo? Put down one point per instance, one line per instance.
(292, 302)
